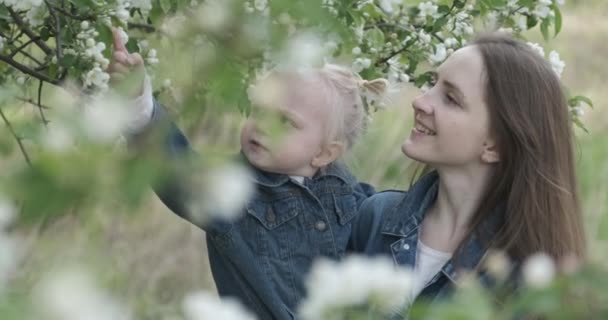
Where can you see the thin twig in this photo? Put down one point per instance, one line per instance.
(12, 131)
(73, 16)
(145, 27)
(58, 49)
(27, 54)
(27, 70)
(23, 26)
(30, 101)
(44, 121)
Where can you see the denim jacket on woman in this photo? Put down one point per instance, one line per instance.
(263, 257)
(389, 222)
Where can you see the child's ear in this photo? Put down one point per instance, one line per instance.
(327, 154)
(489, 153)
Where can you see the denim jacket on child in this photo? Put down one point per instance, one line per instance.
(388, 224)
(263, 257)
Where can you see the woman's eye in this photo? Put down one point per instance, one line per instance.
(451, 99)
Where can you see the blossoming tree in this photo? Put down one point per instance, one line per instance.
(199, 53)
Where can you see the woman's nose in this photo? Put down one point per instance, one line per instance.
(423, 103)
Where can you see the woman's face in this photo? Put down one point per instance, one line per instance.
(451, 123)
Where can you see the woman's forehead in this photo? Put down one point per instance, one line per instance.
(465, 69)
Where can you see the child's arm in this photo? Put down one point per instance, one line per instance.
(152, 133)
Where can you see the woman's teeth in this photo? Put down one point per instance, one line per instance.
(422, 129)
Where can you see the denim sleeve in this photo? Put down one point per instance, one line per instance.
(161, 135)
(365, 226)
(363, 191)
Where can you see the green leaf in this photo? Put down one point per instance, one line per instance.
(166, 5)
(532, 22)
(544, 29)
(576, 99)
(558, 20)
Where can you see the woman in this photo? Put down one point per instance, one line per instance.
(495, 133)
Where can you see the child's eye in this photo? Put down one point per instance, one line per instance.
(286, 120)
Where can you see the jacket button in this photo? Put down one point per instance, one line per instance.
(320, 225)
(406, 246)
(270, 216)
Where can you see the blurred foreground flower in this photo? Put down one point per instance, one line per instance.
(203, 306)
(340, 290)
(71, 294)
(227, 189)
(538, 270)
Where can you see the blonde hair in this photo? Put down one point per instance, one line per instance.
(344, 91)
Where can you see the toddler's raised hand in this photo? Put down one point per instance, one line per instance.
(126, 69)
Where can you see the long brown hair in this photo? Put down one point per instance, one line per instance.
(534, 181)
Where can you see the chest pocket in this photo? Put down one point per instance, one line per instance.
(344, 204)
(272, 214)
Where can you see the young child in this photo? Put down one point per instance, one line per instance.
(304, 199)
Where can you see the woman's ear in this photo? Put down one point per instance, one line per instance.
(489, 153)
(327, 154)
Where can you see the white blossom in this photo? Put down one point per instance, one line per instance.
(8, 212)
(227, 191)
(439, 55)
(537, 48)
(578, 111)
(214, 15)
(2, 40)
(304, 50)
(450, 42)
(543, 9)
(151, 57)
(204, 305)
(10, 254)
(538, 270)
(361, 64)
(71, 294)
(356, 51)
(58, 137)
(355, 281)
(106, 117)
(557, 64)
(260, 5)
(521, 22)
(36, 15)
(97, 78)
(387, 6)
(427, 9)
(144, 5)
(424, 37)
(124, 37)
(84, 25)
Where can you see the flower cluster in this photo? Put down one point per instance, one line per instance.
(357, 281)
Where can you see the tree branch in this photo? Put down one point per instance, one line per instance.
(145, 27)
(44, 121)
(12, 131)
(41, 44)
(27, 70)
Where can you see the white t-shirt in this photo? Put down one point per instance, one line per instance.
(428, 263)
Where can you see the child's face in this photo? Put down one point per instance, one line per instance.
(285, 134)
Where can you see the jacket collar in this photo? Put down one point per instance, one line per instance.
(270, 179)
(407, 215)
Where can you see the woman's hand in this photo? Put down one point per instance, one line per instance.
(127, 71)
